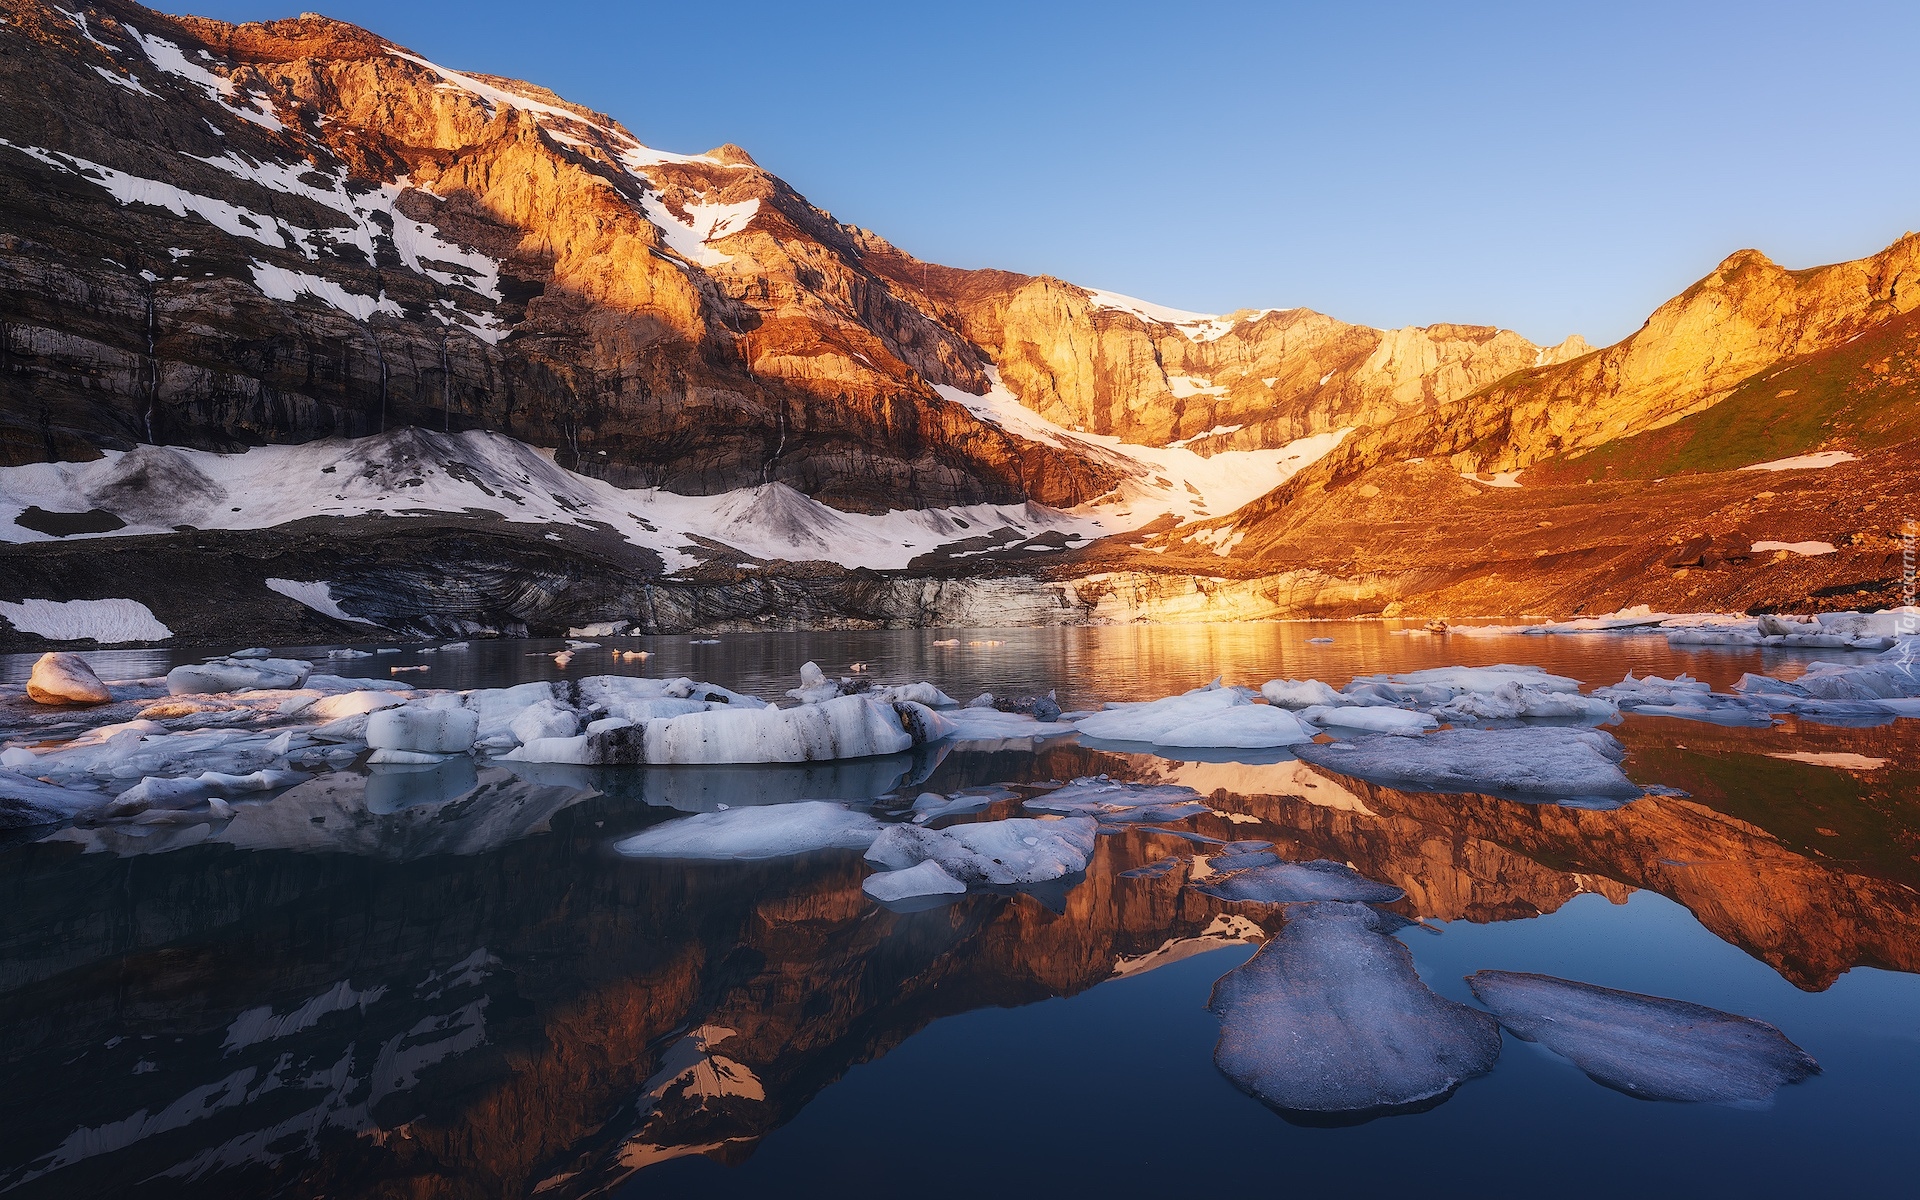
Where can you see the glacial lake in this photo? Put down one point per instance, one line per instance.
(446, 982)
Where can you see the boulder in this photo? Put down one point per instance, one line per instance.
(60, 678)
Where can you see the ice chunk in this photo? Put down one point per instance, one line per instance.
(1299, 693)
(1643, 1045)
(1149, 720)
(918, 693)
(25, 800)
(1247, 726)
(1372, 719)
(190, 792)
(844, 727)
(1513, 700)
(1552, 763)
(922, 879)
(1331, 1018)
(423, 729)
(349, 704)
(60, 678)
(1016, 851)
(1116, 801)
(544, 719)
(237, 675)
(771, 831)
(1291, 882)
(814, 687)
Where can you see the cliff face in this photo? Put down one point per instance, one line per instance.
(220, 235)
(1110, 364)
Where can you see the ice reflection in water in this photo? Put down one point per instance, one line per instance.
(463, 987)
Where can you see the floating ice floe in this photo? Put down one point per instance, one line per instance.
(1576, 766)
(768, 831)
(1246, 726)
(234, 674)
(1004, 853)
(844, 727)
(1149, 721)
(1330, 1018)
(1295, 882)
(922, 879)
(1299, 693)
(1118, 802)
(1371, 719)
(1645, 1046)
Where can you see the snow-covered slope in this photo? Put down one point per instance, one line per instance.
(409, 472)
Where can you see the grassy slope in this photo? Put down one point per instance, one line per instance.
(1861, 396)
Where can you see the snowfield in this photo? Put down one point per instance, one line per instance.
(416, 471)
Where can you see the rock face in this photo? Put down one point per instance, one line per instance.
(1114, 365)
(65, 679)
(218, 235)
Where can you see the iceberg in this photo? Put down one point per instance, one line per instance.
(922, 879)
(423, 728)
(60, 678)
(1111, 800)
(1292, 882)
(1371, 719)
(769, 831)
(1300, 693)
(1004, 853)
(843, 727)
(1148, 721)
(237, 674)
(1646, 1046)
(1330, 1018)
(1246, 726)
(1552, 763)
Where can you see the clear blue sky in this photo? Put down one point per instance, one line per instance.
(1553, 168)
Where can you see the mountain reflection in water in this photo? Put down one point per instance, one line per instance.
(443, 982)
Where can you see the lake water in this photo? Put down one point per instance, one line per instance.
(446, 983)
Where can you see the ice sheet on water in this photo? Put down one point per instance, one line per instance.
(1116, 801)
(1150, 720)
(1016, 851)
(1646, 1046)
(1330, 1018)
(1246, 726)
(844, 727)
(1300, 693)
(424, 727)
(1578, 766)
(1371, 719)
(1514, 700)
(221, 675)
(921, 879)
(25, 800)
(768, 831)
(1294, 882)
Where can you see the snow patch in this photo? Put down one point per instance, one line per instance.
(109, 622)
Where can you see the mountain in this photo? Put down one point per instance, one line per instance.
(238, 257)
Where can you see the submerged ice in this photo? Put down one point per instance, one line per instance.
(1646, 1046)
(1331, 1018)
